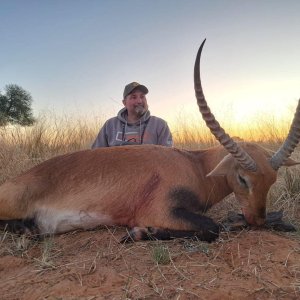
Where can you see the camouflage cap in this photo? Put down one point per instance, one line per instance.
(132, 86)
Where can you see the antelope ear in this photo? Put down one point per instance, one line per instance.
(222, 167)
(290, 162)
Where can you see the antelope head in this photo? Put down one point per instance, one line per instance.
(250, 170)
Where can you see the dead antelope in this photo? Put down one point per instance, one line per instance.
(155, 191)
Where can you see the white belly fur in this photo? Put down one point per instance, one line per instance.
(51, 221)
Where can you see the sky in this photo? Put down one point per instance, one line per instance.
(76, 56)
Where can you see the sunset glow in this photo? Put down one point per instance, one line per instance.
(75, 57)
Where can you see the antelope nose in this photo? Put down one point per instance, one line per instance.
(252, 219)
(259, 221)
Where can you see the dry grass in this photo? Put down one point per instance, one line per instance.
(192, 133)
(247, 264)
(22, 148)
(89, 264)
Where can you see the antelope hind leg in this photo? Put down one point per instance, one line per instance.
(20, 226)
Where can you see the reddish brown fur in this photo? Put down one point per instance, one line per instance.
(131, 185)
(147, 193)
(147, 186)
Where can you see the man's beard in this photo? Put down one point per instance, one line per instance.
(140, 110)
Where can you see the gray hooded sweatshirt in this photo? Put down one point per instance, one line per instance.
(148, 130)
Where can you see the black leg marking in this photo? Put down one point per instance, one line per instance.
(184, 203)
(185, 206)
(184, 198)
(19, 226)
(206, 228)
(153, 233)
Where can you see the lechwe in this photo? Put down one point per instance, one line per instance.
(156, 191)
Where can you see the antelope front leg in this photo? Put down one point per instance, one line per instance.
(201, 227)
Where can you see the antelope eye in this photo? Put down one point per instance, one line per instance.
(242, 181)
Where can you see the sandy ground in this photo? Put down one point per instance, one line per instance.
(93, 265)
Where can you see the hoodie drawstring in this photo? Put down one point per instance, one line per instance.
(142, 132)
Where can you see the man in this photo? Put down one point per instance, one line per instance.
(133, 124)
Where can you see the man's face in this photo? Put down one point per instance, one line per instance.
(136, 103)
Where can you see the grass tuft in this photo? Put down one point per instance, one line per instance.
(161, 254)
(48, 254)
(14, 244)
